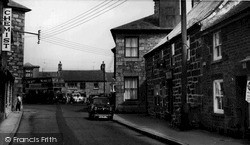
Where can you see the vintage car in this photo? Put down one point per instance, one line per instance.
(77, 98)
(100, 107)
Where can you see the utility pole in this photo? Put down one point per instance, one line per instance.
(184, 109)
(103, 70)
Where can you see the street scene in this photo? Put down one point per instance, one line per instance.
(125, 72)
(69, 124)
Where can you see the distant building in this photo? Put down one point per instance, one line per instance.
(87, 81)
(40, 87)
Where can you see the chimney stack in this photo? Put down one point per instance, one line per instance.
(167, 12)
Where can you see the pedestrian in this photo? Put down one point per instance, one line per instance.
(18, 103)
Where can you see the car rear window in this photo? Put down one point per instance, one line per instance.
(100, 101)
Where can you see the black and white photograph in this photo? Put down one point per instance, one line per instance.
(125, 72)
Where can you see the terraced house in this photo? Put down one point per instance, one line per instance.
(133, 40)
(218, 67)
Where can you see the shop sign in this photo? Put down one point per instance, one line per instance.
(6, 36)
(248, 91)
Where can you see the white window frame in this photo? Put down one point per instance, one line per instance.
(217, 52)
(188, 48)
(218, 96)
(172, 54)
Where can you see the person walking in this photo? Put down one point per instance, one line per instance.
(19, 103)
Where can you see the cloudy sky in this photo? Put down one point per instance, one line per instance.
(77, 32)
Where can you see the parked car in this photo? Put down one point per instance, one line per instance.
(77, 98)
(100, 107)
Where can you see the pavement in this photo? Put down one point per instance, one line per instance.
(149, 126)
(9, 126)
(160, 130)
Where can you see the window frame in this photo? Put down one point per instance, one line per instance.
(218, 110)
(125, 48)
(94, 84)
(83, 85)
(137, 88)
(28, 73)
(188, 48)
(217, 49)
(172, 54)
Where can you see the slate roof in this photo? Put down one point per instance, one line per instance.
(85, 75)
(18, 6)
(29, 65)
(208, 14)
(229, 9)
(149, 22)
(48, 74)
(198, 13)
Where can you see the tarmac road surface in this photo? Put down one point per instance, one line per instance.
(69, 125)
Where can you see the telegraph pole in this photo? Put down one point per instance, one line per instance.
(184, 109)
(103, 70)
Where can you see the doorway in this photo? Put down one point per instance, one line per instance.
(243, 107)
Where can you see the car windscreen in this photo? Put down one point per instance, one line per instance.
(100, 101)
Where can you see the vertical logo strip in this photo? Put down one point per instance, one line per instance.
(6, 36)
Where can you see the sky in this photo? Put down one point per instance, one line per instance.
(77, 32)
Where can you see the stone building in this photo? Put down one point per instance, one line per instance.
(133, 40)
(225, 69)
(12, 48)
(164, 68)
(87, 82)
(217, 69)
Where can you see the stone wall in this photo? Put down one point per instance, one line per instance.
(160, 63)
(235, 47)
(133, 67)
(13, 60)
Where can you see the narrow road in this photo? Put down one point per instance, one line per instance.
(69, 125)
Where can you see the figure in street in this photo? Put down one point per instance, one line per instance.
(18, 103)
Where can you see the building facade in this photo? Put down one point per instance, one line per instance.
(11, 54)
(87, 82)
(217, 70)
(40, 87)
(225, 73)
(133, 40)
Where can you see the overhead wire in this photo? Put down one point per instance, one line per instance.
(78, 16)
(82, 22)
(74, 43)
(76, 47)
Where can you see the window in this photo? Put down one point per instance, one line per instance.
(217, 46)
(131, 47)
(96, 85)
(28, 73)
(72, 85)
(131, 88)
(172, 54)
(218, 96)
(82, 86)
(188, 48)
